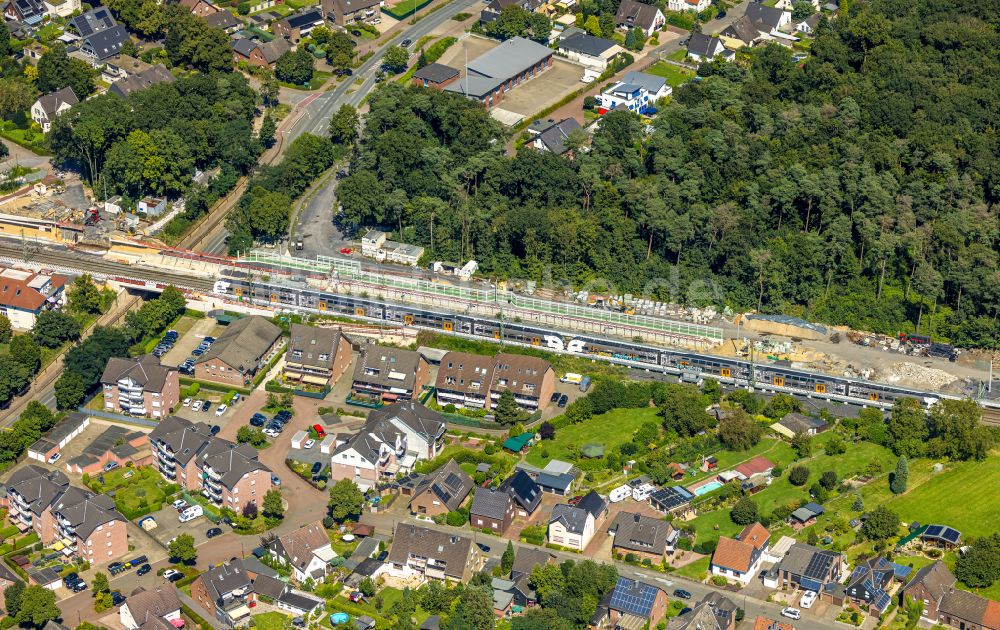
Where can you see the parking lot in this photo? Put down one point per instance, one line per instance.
(169, 527)
(189, 340)
(533, 96)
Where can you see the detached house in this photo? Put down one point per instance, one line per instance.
(442, 491)
(258, 53)
(809, 568)
(525, 560)
(646, 17)
(870, 583)
(739, 559)
(101, 37)
(25, 295)
(432, 554)
(492, 509)
(295, 27)
(703, 47)
(150, 607)
(226, 592)
(573, 526)
(524, 491)
(633, 604)
(28, 12)
(45, 110)
(306, 550)
(643, 536)
(140, 387)
(713, 612)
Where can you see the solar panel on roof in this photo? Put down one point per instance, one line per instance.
(951, 535)
(818, 566)
(633, 597)
(882, 600)
(453, 480)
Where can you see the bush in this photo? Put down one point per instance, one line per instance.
(457, 518)
(799, 476)
(718, 580)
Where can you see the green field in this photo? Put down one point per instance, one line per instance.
(609, 429)
(696, 570)
(673, 74)
(271, 621)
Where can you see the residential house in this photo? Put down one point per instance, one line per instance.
(61, 8)
(27, 12)
(739, 558)
(435, 75)
(809, 568)
(703, 47)
(136, 82)
(765, 623)
(714, 612)
(525, 492)
(809, 25)
(805, 515)
(318, 356)
(45, 110)
(344, 12)
(476, 381)
(637, 92)
(442, 491)
(143, 607)
(758, 466)
(70, 520)
(634, 604)
(392, 440)
(247, 345)
(688, 5)
(282, 595)
(294, 27)
(432, 554)
(495, 7)
(306, 550)
(494, 73)
(643, 536)
(227, 474)
(140, 387)
(758, 23)
(389, 374)
(934, 585)
(200, 8)
(226, 592)
(589, 51)
(555, 138)
(769, 16)
(121, 67)
(25, 294)
(492, 509)
(526, 559)
(224, 20)
(574, 526)
(795, 423)
(870, 584)
(258, 53)
(646, 17)
(101, 37)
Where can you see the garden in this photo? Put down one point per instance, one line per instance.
(136, 491)
(675, 75)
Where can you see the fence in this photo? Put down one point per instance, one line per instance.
(117, 417)
(319, 395)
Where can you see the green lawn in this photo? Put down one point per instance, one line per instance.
(678, 55)
(272, 621)
(673, 74)
(696, 570)
(144, 487)
(609, 429)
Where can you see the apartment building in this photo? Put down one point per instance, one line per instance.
(247, 346)
(392, 440)
(475, 381)
(227, 474)
(319, 356)
(389, 375)
(344, 12)
(71, 520)
(140, 387)
(432, 554)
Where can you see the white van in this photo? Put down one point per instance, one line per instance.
(642, 492)
(620, 493)
(191, 513)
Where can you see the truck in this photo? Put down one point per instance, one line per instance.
(571, 377)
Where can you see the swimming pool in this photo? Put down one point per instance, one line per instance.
(708, 487)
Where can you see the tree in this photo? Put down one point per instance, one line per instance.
(252, 436)
(12, 596)
(538, 618)
(346, 500)
(474, 610)
(14, 377)
(54, 328)
(267, 130)
(395, 59)
(899, 478)
(274, 506)
(828, 479)
(592, 25)
(802, 443)
(16, 96)
(859, 504)
(880, 524)
(682, 408)
(979, 566)
(908, 428)
(100, 583)
(835, 445)
(507, 412)
(38, 606)
(738, 431)
(56, 70)
(798, 476)
(269, 213)
(744, 512)
(250, 510)
(84, 297)
(958, 432)
(182, 549)
(507, 559)
(801, 9)
(367, 587)
(25, 352)
(437, 598)
(344, 125)
(295, 67)
(547, 579)
(635, 39)
(781, 405)
(547, 431)
(6, 330)
(70, 390)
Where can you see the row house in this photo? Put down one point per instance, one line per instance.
(229, 475)
(318, 356)
(71, 520)
(140, 387)
(389, 375)
(476, 381)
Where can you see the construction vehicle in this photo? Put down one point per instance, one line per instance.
(91, 216)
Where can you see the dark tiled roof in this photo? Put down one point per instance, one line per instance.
(702, 45)
(523, 490)
(442, 547)
(491, 503)
(586, 44)
(244, 343)
(637, 532)
(50, 102)
(554, 138)
(304, 19)
(572, 518)
(146, 605)
(145, 371)
(436, 73)
(449, 483)
(313, 346)
(636, 14)
(526, 558)
(593, 503)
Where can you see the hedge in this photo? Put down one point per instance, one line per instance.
(195, 618)
(434, 52)
(215, 387)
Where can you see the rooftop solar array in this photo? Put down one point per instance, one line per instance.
(819, 566)
(882, 600)
(633, 597)
(672, 497)
(943, 532)
(453, 480)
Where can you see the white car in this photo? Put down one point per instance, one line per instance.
(808, 599)
(221, 410)
(55, 457)
(179, 504)
(270, 433)
(196, 405)
(169, 573)
(791, 613)
(309, 444)
(187, 402)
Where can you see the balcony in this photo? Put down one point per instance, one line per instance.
(214, 498)
(212, 474)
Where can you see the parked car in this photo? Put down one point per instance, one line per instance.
(320, 431)
(309, 444)
(196, 405)
(117, 599)
(213, 532)
(682, 594)
(791, 613)
(187, 402)
(205, 406)
(172, 575)
(71, 578)
(563, 400)
(55, 457)
(275, 480)
(179, 504)
(215, 429)
(110, 466)
(406, 42)
(318, 466)
(356, 33)
(555, 397)
(144, 569)
(258, 420)
(283, 416)
(79, 586)
(808, 599)
(221, 410)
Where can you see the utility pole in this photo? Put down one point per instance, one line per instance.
(24, 247)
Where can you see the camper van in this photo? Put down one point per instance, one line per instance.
(620, 493)
(571, 377)
(191, 513)
(642, 492)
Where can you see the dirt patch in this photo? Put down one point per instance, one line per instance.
(534, 95)
(467, 48)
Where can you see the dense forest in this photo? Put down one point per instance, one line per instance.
(858, 188)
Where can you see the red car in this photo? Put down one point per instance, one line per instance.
(347, 251)
(575, 500)
(357, 596)
(320, 433)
